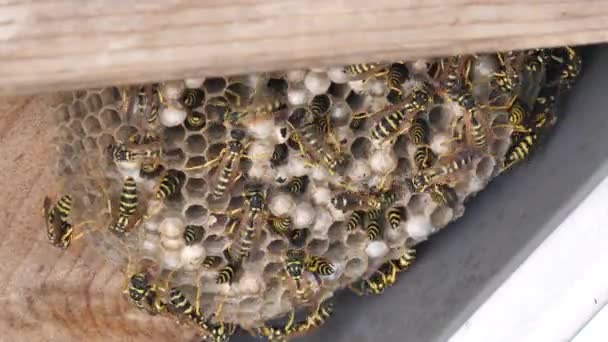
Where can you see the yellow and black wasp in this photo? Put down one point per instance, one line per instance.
(317, 318)
(424, 158)
(442, 173)
(169, 185)
(195, 121)
(362, 200)
(280, 225)
(59, 231)
(364, 71)
(297, 185)
(536, 59)
(249, 223)
(279, 155)
(398, 73)
(400, 116)
(310, 139)
(127, 206)
(384, 277)
(395, 215)
(278, 333)
(298, 261)
(193, 234)
(564, 67)
(319, 105)
(192, 98)
(144, 101)
(419, 132)
(356, 219)
(443, 194)
(145, 295)
(506, 79)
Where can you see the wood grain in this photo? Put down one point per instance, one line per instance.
(68, 44)
(47, 294)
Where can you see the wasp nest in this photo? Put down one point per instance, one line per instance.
(257, 195)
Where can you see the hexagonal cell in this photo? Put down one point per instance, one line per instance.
(339, 90)
(318, 246)
(125, 132)
(217, 108)
(62, 114)
(277, 246)
(360, 148)
(485, 167)
(174, 157)
(336, 231)
(441, 216)
(356, 239)
(400, 146)
(92, 126)
(355, 267)
(417, 203)
(173, 136)
(195, 212)
(110, 95)
(94, 103)
(214, 150)
(439, 118)
(196, 144)
(501, 128)
(238, 94)
(214, 85)
(403, 166)
(336, 250)
(215, 243)
(90, 145)
(105, 140)
(355, 101)
(78, 110)
(77, 129)
(195, 164)
(500, 147)
(67, 151)
(196, 187)
(216, 131)
(110, 119)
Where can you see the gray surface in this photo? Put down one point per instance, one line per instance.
(460, 267)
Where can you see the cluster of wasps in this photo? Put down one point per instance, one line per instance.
(451, 81)
(308, 133)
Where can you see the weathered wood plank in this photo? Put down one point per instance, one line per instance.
(50, 45)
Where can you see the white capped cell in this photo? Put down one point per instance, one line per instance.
(192, 256)
(304, 215)
(171, 116)
(172, 227)
(376, 249)
(172, 90)
(295, 76)
(383, 161)
(297, 96)
(338, 75)
(419, 227)
(297, 166)
(317, 82)
(323, 221)
(194, 82)
(321, 196)
(281, 205)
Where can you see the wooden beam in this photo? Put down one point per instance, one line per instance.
(67, 44)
